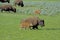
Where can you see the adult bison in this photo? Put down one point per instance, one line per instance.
(19, 3)
(32, 22)
(5, 1)
(7, 8)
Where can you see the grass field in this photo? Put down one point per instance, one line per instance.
(10, 29)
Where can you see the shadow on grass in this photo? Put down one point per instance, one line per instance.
(45, 29)
(49, 29)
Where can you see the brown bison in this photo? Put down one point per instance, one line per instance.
(32, 22)
(19, 3)
(7, 8)
(5, 1)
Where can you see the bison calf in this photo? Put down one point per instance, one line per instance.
(7, 8)
(19, 3)
(32, 22)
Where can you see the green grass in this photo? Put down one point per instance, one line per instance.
(10, 29)
(10, 25)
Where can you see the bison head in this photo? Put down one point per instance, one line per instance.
(19, 3)
(41, 23)
(14, 10)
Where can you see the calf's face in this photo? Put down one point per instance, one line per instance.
(41, 22)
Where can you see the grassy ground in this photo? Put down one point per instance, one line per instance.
(10, 29)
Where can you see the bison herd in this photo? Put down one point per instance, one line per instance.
(7, 7)
(30, 22)
(16, 2)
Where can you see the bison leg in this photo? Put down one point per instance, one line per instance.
(30, 27)
(35, 27)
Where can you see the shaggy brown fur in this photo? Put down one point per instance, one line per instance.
(31, 22)
(26, 25)
(19, 3)
(7, 8)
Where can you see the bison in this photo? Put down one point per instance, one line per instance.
(7, 8)
(19, 3)
(5, 1)
(32, 22)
